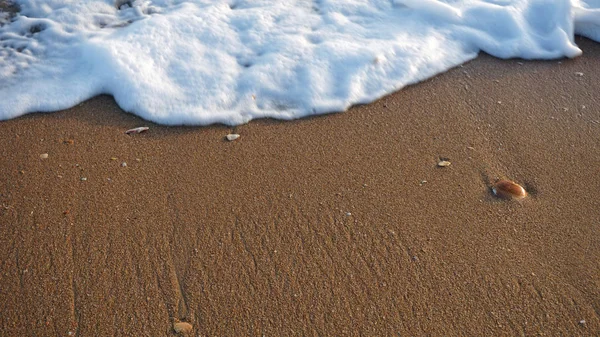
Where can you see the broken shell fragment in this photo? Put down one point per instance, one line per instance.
(444, 163)
(137, 130)
(507, 189)
(232, 136)
(182, 327)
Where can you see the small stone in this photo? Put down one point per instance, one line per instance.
(113, 158)
(507, 189)
(123, 164)
(348, 214)
(182, 327)
(582, 322)
(579, 74)
(44, 156)
(83, 179)
(232, 136)
(444, 163)
(138, 160)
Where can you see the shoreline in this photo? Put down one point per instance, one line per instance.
(340, 224)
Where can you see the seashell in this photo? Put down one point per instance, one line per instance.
(507, 189)
(44, 156)
(232, 136)
(444, 163)
(182, 327)
(137, 130)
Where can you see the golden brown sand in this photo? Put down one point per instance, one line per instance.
(338, 225)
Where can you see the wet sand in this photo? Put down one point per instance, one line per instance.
(336, 225)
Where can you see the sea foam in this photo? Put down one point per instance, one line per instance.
(200, 62)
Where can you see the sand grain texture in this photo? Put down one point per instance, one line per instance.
(336, 225)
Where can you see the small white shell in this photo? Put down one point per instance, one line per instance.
(232, 136)
(44, 156)
(444, 163)
(137, 130)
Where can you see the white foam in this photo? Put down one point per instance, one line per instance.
(209, 61)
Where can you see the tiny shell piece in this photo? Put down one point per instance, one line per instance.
(137, 130)
(444, 163)
(232, 136)
(507, 189)
(182, 327)
(44, 156)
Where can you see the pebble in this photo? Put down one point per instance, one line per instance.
(507, 189)
(44, 156)
(232, 136)
(123, 164)
(582, 322)
(580, 74)
(444, 163)
(83, 179)
(182, 327)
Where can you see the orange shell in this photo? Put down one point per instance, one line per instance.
(182, 327)
(507, 189)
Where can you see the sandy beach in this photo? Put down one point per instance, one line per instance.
(339, 225)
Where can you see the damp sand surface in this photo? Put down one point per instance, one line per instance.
(336, 225)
